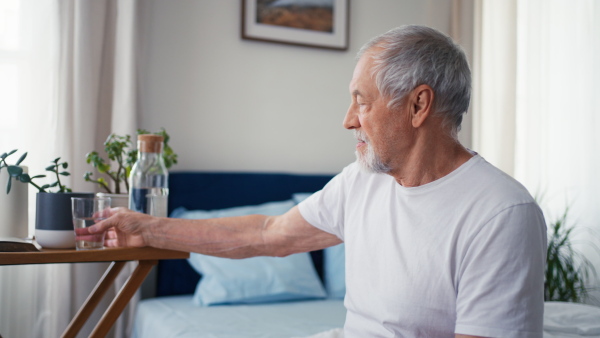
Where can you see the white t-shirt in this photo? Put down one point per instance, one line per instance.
(463, 254)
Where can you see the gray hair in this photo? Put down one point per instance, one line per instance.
(414, 55)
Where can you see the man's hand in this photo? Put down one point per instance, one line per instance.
(124, 228)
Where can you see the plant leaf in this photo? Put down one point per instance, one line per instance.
(103, 167)
(64, 173)
(14, 170)
(8, 185)
(21, 158)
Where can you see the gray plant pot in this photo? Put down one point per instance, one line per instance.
(54, 220)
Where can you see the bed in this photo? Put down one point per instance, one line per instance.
(296, 296)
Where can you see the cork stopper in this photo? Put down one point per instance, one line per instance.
(150, 143)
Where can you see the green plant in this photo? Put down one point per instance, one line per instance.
(566, 270)
(16, 172)
(121, 158)
(117, 150)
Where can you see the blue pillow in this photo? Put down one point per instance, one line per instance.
(335, 271)
(334, 263)
(252, 280)
(269, 209)
(301, 196)
(255, 280)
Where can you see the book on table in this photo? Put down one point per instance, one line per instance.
(15, 244)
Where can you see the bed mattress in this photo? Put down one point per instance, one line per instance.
(178, 316)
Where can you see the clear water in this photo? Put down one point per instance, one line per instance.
(89, 241)
(152, 201)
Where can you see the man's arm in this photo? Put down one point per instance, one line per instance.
(232, 237)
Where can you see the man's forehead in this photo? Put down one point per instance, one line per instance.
(364, 64)
(362, 74)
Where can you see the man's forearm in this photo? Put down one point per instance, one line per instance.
(231, 237)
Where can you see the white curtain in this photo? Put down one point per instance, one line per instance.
(494, 82)
(537, 105)
(81, 86)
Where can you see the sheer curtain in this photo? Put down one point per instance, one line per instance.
(79, 85)
(538, 111)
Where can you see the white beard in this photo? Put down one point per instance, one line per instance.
(369, 161)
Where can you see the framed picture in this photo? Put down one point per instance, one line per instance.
(314, 23)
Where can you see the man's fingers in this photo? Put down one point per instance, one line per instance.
(111, 234)
(108, 223)
(90, 238)
(111, 243)
(81, 231)
(117, 210)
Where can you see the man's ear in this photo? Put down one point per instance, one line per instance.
(421, 104)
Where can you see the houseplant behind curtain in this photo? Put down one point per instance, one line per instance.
(548, 106)
(82, 88)
(557, 151)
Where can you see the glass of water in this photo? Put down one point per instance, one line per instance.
(86, 212)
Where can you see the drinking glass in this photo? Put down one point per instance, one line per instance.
(88, 211)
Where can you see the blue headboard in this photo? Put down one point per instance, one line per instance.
(217, 190)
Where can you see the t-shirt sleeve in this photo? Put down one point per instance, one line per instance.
(501, 277)
(325, 209)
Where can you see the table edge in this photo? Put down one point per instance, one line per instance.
(49, 256)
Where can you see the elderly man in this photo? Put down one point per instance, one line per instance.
(439, 243)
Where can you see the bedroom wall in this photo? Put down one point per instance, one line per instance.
(238, 105)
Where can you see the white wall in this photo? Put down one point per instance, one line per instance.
(240, 105)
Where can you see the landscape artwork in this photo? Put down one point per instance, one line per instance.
(314, 23)
(314, 15)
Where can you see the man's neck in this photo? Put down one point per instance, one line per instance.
(428, 162)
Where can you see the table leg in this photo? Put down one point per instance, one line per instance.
(93, 299)
(122, 299)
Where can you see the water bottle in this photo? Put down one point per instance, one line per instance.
(148, 181)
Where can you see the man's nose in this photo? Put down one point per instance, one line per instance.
(351, 119)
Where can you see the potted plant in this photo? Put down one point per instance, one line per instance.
(566, 271)
(13, 207)
(53, 223)
(116, 166)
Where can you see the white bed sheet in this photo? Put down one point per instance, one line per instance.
(177, 316)
(564, 320)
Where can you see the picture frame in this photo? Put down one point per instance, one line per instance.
(312, 23)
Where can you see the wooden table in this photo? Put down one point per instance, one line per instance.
(146, 258)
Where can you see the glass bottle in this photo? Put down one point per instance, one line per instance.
(148, 185)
